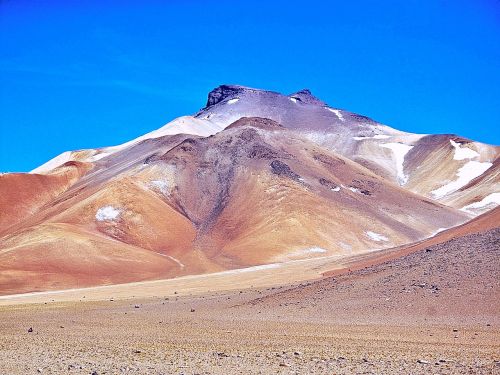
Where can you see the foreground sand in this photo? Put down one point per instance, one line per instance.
(431, 312)
(165, 337)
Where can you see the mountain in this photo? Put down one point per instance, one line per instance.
(253, 178)
(447, 168)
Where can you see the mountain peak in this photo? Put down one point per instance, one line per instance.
(220, 93)
(223, 92)
(226, 91)
(307, 97)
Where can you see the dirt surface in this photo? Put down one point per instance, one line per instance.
(431, 312)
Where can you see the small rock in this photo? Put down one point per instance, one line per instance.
(137, 352)
(423, 361)
(39, 370)
(455, 330)
(193, 310)
(136, 306)
(30, 329)
(94, 373)
(297, 353)
(283, 364)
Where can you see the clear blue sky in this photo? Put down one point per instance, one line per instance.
(84, 74)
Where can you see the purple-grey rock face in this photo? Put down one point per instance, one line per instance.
(298, 111)
(305, 96)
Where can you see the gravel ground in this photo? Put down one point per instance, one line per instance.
(431, 312)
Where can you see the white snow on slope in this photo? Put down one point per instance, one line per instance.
(162, 186)
(232, 101)
(377, 136)
(399, 150)
(336, 188)
(439, 230)
(376, 236)
(293, 100)
(354, 190)
(337, 113)
(53, 163)
(253, 268)
(179, 263)
(467, 173)
(180, 125)
(99, 156)
(462, 153)
(107, 213)
(493, 198)
(311, 250)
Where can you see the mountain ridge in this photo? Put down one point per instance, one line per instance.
(265, 179)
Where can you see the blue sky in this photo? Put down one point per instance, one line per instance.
(85, 74)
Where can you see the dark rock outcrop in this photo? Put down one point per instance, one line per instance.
(223, 92)
(281, 169)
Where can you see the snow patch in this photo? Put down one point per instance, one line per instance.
(376, 136)
(162, 186)
(179, 263)
(493, 198)
(462, 153)
(337, 188)
(337, 113)
(354, 190)
(53, 163)
(439, 230)
(311, 250)
(254, 268)
(376, 236)
(107, 213)
(293, 100)
(181, 125)
(99, 156)
(399, 150)
(232, 101)
(467, 173)
(345, 247)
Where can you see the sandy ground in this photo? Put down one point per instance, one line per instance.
(431, 312)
